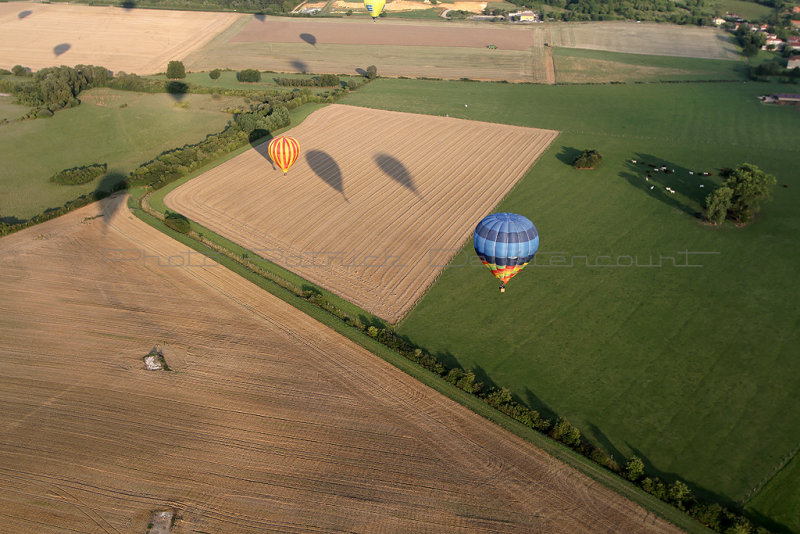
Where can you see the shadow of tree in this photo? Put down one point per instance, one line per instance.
(261, 17)
(361, 71)
(326, 168)
(299, 66)
(568, 154)
(309, 38)
(654, 175)
(61, 48)
(23, 14)
(395, 170)
(177, 90)
(127, 4)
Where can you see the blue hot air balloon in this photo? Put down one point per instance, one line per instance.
(505, 243)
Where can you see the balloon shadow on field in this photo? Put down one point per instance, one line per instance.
(61, 48)
(326, 168)
(395, 170)
(177, 90)
(654, 175)
(299, 66)
(309, 38)
(23, 14)
(112, 182)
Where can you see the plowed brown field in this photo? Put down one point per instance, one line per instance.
(132, 40)
(377, 203)
(269, 422)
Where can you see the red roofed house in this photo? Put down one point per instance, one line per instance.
(793, 42)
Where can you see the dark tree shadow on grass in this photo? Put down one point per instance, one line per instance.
(691, 187)
(395, 170)
(23, 14)
(61, 48)
(326, 168)
(177, 90)
(259, 140)
(535, 403)
(309, 38)
(299, 66)
(568, 154)
(598, 437)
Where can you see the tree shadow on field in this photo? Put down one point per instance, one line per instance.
(654, 175)
(177, 90)
(760, 519)
(535, 403)
(112, 182)
(326, 168)
(596, 436)
(299, 66)
(666, 477)
(261, 17)
(309, 38)
(568, 155)
(127, 4)
(23, 14)
(259, 140)
(395, 170)
(361, 71)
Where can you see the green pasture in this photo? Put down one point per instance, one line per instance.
(9, 110)
(653, 333)
(576, 65)
(779, 501)
(120, 128)
(747, 10)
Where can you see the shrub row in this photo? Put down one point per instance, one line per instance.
(325, 80)
(79, 175)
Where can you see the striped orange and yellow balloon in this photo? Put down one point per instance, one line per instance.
(283, 151)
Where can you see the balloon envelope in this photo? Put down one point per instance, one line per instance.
(374, 7)
(283, 151)
(505, 243)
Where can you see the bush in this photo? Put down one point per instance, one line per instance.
(634, 469)
(248, 75)
(176, 70)
(178, 222)
(588, 159)
(79, 175)
(328, 80)
(567, 434)
(5, 72)
(372, 72)
(19, 70)
(215, 74)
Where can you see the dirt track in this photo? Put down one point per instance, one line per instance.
(269, 422)
(375, 206)
(142, 41)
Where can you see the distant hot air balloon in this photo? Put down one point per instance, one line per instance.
(283, 151)
(374, 7)
(505, 243)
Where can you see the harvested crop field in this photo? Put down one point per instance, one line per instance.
(642, 38)
(267, 422)
(397, 47)
(142, 41)
(377, 203)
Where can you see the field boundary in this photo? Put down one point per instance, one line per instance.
(752, 493)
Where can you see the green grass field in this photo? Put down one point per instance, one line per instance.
(779, 500)
(576, 65)
(747, 10)
(691, 368)
(9, 110)
(120, 128)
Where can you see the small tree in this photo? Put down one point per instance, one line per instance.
(329, 80)
(588, 159)
(248, 75)
(372, 72)
(750, 186)
(178, 222)
(678, 493)
(19, 70)
(175, 70)
(718, 202)
(215, 74)
(634, 469)
(567, 434)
